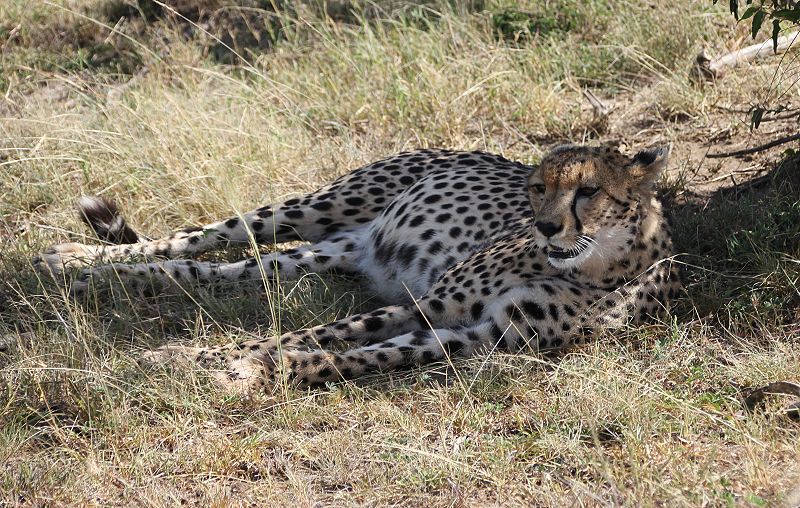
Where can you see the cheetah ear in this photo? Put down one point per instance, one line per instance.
(564, 147)
(647, 165)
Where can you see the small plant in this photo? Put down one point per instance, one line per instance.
(781, 14)
(516, 25)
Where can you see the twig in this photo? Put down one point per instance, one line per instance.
(600, 112)
(777, 114)
(736, 172)
(755, 149)
(780, 117)
(599, 109)
(757, 396)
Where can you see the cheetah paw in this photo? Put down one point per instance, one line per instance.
(79, 288)
(66, 255)
(180, 355)
(246, 376)
(241, 376)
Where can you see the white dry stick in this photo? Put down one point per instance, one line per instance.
(706, 68)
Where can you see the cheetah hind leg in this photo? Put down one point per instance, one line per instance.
(313, 218)
(343, 205)
(338, 253)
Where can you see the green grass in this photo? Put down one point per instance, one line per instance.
(182, 134)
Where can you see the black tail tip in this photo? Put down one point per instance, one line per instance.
(103, 216)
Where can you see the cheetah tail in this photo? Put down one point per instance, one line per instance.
(103, 216)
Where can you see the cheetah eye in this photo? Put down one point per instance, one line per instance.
(538, 188)
(588, 192)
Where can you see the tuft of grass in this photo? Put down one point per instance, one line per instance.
(294, 94)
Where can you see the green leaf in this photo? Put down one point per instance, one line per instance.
(755, 119)
(758, 19)
(749, 12)
(792, 15)
(776, 29)
(734, 5)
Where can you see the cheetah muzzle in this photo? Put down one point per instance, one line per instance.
(471, 251)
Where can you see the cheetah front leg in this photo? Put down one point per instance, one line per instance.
(243, 361)
(317, 367)
(542, 314)
(373, 326)
(249, 371)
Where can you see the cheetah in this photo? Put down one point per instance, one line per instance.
(472, 253)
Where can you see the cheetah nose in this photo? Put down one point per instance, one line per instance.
(548, 229)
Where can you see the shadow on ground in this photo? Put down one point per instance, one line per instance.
(741, 246)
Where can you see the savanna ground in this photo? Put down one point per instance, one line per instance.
(187, 117)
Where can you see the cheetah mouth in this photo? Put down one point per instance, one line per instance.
(559, 253)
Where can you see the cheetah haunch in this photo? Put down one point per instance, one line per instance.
(476, 252)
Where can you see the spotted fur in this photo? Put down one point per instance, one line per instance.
(475, 253)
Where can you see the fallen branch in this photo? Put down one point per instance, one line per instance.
(757, 397)
(780, 113)
(755, 149)
(706, 68)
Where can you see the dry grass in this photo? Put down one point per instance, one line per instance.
(650, 418)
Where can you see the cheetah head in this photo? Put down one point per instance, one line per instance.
(592, 202)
